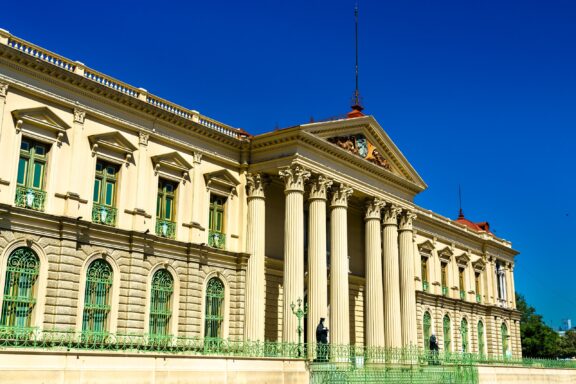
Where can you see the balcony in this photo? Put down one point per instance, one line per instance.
(217, 239)
(462, 295)
(104, 215)
(478, 298)
(30, 198)
(444, 290)
(166, 228)
(425, 286)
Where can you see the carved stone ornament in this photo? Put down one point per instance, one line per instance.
(319, 186)
(391, 213)
(406, 220)
(360, 146)
(197, 157)
(79, 116)
(340, 195)
(294, 177)
(3, 89)
(143, 138)
(374, 208)
(255, 184)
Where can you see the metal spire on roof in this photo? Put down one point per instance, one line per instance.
(460, 212)
(356, 102)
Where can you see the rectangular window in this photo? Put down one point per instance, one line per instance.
(461, 283)
(477, 287)
(104, 195)
(30, 176)
(424, 263)
(165, 209)
(216, 234)
(444, 277)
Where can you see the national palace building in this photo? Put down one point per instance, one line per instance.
(122, 213)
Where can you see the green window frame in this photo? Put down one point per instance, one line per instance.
(19, 298)
(461, 283)
(216, 224)
(214, 314)
(481, 338)
(504, 333)
(464, 335)
(444, 277)
(104, 193)
(427, 329)
(32, 164)
(97, 299)
(161, 303)
(424, 266)
(447, 330)
(166, 200)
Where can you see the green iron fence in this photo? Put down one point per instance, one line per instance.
(30, 198)
(103, 214)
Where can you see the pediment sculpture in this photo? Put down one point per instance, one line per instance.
(360, 146)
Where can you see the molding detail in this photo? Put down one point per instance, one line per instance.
(406, 220)
(340, 195)
(374, 208)
(294, 177)
(319, 186)
(197, 157)
(143, 138)
(255, 184)
(391, 213)
(79, 115)
(3, 89)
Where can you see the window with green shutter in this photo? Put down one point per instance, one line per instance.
(216, 234)
(104, 194)
(97, 300)
(480, 338)
(424, 265)
(447, 334)
(214, 315)
(464, 335)
(31, 171)
(161, 304)
(19, 298)
(165, 209)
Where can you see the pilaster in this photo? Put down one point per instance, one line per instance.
(255, 273)
(294, 179)
(339, 300)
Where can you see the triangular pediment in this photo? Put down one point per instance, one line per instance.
(426, 248)
(222, 178)
(463, 259)
(113, 141)
(445, 253)
(173, 161)
(364, 140)
(41, 117)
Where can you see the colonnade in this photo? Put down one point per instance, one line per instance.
(390, 306)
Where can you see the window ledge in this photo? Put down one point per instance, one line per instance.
(72, 196)
(194, 224)
(138, 212)
(4, 182)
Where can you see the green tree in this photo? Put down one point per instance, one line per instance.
(538, 339)
(568, 344)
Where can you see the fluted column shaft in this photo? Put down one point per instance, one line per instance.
(294, 178)
(317, 269)
(339, 300)
(374, 288)
(407, 292)
(392, 319)
(255, 274)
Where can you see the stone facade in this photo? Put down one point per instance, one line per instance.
(322, 212)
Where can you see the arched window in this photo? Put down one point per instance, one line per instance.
(504, 332)
(464, 335)
(97, 299)
(19, 297)
(480, 338)
(161, 303)
(427, 329)
(214, 315)
(447, 334)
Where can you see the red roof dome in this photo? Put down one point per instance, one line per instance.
(479, 227)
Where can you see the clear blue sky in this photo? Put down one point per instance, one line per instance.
(477, 93)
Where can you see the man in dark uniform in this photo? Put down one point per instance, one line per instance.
(321, 341)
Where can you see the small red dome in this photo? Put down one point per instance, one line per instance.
(479, 227)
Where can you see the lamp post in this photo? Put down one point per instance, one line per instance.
(300, 313)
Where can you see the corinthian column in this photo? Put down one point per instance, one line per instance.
(294, 178)
(254, 319)
(374, 294)
(392, 324)
(317, 280)
(339, 301)
(407, 292)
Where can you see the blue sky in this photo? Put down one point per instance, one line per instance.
(480, 94)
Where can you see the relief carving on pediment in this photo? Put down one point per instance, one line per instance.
(360, 146)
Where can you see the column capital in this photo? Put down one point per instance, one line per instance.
(3, 89)
(255, 184)
(374, 208)
(79, 115)
(340, 195)
(143, 138)
(294, 177)
(391, 213)
(406, 219)
(319, 185)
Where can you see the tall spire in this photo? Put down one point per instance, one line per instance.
(356, 102)
(460, 212)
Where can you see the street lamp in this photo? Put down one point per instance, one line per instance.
(300, 313)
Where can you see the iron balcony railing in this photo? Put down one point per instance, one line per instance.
(217, 239)
(166, 228)
(103, 214)
(30, 198)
